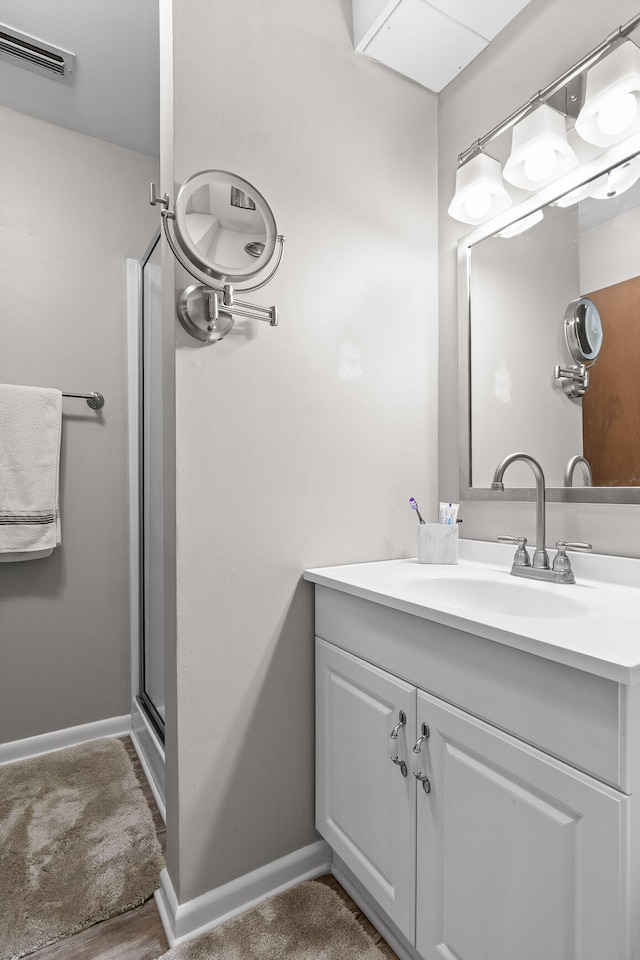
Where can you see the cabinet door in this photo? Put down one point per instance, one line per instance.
(365, 807)
(520, 857)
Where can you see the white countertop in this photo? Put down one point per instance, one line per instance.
(593, 625)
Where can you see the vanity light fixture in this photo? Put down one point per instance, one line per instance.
(542, 141)
(520, 226)
(480, 193)
(611, 108)
(539, 150)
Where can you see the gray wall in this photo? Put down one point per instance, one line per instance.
(73, 208)
(296, 446)
(543, 41)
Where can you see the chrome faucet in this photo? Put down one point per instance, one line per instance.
(540, 557)
(570, 470)
(561, 571)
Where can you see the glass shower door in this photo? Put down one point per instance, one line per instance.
(151, 693)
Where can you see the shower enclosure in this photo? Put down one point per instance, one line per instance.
(146, 499)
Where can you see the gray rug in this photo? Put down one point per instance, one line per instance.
(77, 844)
(307, 922)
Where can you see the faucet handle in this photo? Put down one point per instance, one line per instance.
(561, 562)
(564, 546)
(522, 558)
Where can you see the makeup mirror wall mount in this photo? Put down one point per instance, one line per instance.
(224, 234)
(514, 288)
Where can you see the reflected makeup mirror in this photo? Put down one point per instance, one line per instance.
(583, 330)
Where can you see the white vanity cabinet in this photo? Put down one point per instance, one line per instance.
(518, 855)
(514, 853)
(365, 807)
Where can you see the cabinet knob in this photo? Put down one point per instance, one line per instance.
(393, 743)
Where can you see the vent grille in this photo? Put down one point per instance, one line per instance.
(36, 55)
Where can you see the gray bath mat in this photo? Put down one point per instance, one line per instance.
(77, 844)
(307, 922)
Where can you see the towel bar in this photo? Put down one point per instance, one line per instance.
(94, 400)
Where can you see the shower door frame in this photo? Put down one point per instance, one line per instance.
(154, 717)
(147, 727)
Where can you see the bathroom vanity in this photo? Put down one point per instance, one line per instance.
(477, 754)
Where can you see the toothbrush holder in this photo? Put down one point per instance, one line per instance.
(437, 543)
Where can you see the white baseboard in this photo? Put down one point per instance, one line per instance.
(70, 737)
(184, 921)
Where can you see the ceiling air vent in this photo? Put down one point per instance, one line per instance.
(36, 55)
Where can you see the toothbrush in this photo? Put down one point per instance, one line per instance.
(414, 506)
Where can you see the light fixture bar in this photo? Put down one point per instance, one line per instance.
(613, 40)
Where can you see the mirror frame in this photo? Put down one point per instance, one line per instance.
(571, 181)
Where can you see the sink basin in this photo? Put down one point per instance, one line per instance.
(508, 597)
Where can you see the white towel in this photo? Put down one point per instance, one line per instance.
(30, 430)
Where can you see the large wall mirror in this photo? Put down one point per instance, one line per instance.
(518, 277)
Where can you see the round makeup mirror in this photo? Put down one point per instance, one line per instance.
(224, 226)
(583, 330)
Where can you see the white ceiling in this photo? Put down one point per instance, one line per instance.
(429, 41)
(115, 94)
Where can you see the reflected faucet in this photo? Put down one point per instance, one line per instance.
(570, 468)
(540, 557)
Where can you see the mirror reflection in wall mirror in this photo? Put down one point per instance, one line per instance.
(583, 330)
(580, 249)
(224, 226)
(583, 337)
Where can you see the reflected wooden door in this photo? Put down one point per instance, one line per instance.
(611, 405)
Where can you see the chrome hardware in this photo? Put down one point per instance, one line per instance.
(155, 199)
(393, 745)
(574, 380)
(583, 337)
(584, 547)
(254, 249)
(417, 771)
(521, 558)
(570, 469)
(540, 557)
(94, 400)
(554, 88)
(200, 314)
(562, 563)
(207, 309)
